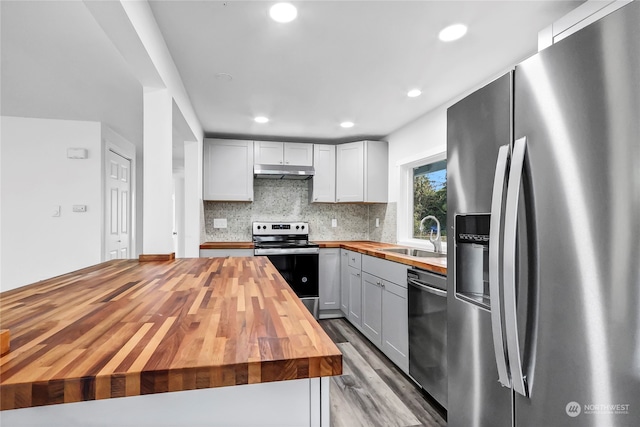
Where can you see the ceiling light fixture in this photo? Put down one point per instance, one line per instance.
(223, 76)
(346, 124)
(414, 92)
(261, 119)
(452, 32)
(283, 12)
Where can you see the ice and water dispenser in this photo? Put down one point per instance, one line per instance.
(472, 258)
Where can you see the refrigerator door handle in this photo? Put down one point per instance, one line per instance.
(494, 265)
(509, 266)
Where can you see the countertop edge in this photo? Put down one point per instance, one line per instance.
(365, 247)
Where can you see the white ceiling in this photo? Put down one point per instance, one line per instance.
(57, 63)
(340, 60)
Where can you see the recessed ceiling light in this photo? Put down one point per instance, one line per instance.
(283, 12)
(452, 32)
(346, 124)
(261, 119)
(414, 92)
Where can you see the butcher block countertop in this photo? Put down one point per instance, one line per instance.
(127, 328)
(437, 265)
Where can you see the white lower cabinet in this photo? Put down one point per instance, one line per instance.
(374, 299)
(344, 282)
(372, 289)
(329, 279)
(355, 297)
(395, 325)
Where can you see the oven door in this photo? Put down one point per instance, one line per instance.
(300, 271)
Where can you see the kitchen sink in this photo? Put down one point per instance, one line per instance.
(420, 253)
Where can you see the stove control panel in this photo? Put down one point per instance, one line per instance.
(280, 228)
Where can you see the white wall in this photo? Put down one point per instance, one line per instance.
(421, 138)
(36, 176)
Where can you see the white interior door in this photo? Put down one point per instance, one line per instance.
(118, 206)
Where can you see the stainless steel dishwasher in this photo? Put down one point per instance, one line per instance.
(428, 332)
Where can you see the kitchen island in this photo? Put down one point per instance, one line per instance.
(136, 331)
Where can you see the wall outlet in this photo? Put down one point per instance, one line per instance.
(79, 208)
(334, 223)
(377, 222)
(220, 223)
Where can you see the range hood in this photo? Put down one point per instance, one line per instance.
(283, 172)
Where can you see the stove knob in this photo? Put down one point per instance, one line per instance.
(298, 227)
(303, 227)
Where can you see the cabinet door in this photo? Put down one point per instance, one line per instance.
(329, 279)
(344, 281)
(372, 308)
(323, 183)
(298, 154)
(355, 297)
(350, 172)
(376, 167)
(395, 326)
(228, 170)
(268, 153)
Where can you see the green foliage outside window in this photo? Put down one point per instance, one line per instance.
(430, 198)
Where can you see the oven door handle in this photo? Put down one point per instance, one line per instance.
(289, 251)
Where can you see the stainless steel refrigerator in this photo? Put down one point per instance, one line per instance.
(544, 209)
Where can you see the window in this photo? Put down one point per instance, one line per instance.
(430, 199)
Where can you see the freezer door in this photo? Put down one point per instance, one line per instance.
(476, 128)
(578, 105)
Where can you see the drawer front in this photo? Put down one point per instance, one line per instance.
(355, 260)
(387, 270)
(215, 253)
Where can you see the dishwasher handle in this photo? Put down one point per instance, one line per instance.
(427, 288)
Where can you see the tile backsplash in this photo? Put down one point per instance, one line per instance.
(288, 200)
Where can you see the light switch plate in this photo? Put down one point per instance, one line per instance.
(334, 223)
(377, 222)
(220, 223)
(79, 208)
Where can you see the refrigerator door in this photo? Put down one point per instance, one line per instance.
(578, 105)
(476, 128)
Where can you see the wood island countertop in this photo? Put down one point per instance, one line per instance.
(127, 328)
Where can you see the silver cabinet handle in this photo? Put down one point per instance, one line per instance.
(510, 248)
(494, 265)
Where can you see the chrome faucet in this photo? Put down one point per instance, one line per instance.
(437, 244)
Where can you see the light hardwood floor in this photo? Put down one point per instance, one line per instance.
(372, 391)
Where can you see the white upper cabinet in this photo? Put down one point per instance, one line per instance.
(299, 154)
(323, 185)
(228, 170)
(362, 172)
(350, 172)
(283, 153)
(268, 153)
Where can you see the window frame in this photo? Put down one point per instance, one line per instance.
(405, 205)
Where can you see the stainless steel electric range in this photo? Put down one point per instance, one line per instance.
(287, 246)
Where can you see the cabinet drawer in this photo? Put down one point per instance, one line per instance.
(355, 259)
(387, 270)
(215, 253)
